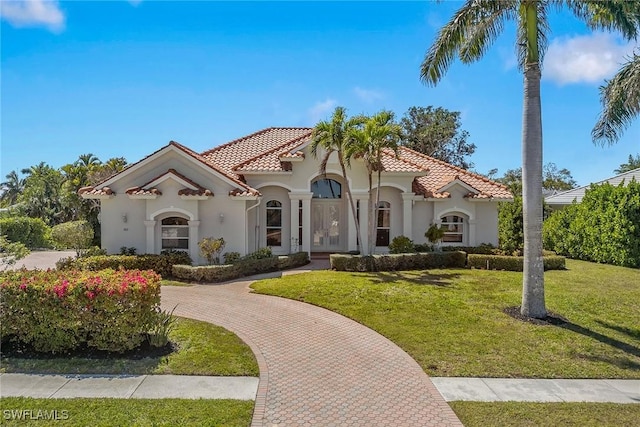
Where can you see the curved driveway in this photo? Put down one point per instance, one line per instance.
(317, 367)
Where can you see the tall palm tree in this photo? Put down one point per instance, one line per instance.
(87, 160)
(620, 99)
(11, 188)
(468, 35)
(368, 141)
(333, 136)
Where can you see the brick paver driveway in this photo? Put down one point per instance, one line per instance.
(317, 367)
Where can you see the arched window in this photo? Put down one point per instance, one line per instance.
(175, 233)
(383, 225)
(326, 189)
(274, 223)
(454, 228)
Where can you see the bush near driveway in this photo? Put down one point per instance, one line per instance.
(161, 264)
(32, 232)
(59, 311)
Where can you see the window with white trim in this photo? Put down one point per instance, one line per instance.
(383, 225)
(175, 233)
(274, 223)
(454, 228)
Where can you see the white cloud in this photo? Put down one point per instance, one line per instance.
(135, 2)
(584, 59)
(367, 95)
(33, 13)
(321, 109)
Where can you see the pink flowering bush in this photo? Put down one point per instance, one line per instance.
(58, 311)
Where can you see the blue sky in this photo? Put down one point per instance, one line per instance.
(123, 78)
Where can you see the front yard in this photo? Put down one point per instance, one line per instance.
(452, 322)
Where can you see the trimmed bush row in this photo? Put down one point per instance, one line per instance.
(31, 232)
(244, 267)
(511, 263)
(161, 264)
(59, 311)
(394, 262)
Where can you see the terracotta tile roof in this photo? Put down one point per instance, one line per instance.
(391, 163)
(442, 173)
(256, 152)
(104, 191)
(138, 191)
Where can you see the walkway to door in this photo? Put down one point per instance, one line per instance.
(317, 367)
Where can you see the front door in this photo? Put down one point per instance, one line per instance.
(327, 231)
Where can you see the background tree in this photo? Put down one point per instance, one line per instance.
(632, 163)
(436, 133)
(553, 179)
(76, 235)
(11, 188)
(468, 35)
(10, 252)
(368, 141)
(333, 136)
(620, 99)
(44, 194)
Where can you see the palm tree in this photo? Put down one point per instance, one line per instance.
(11, 188)
(87, 160)
(468, 35)
(368, 142)
(333, 136)
(620, 99)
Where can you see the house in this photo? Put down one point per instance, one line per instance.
(564, 198)
(265, 189)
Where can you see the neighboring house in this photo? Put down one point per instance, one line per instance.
(560, 200)
(265, 189)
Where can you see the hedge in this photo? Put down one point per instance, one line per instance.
(392, 262)
(511, 263)
(161, 264)
(31, 232)
(245, 267)
(59, 311)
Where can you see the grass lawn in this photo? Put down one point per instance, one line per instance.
(452, 322)
(525, 414)
(167, 282)
(203, 349)
(129, 412)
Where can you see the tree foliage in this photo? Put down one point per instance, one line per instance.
(632, 163)
(604, 227)
(10, 252)
(75, 235)
(553, 179)
(436, 132)
(211, 248)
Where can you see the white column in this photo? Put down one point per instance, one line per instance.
(294, 224)
(151, 232)
(472, 232)
(193, 241)
(306, 223)
(363, 198)
(407, 214)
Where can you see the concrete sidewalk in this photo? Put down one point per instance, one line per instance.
(245, 388)
(537, 390)
(128, 386)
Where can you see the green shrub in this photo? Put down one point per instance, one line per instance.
(210, 249)
(124, 250)
(417, 261)
(435, 233)
(423, 247)
(75, 235)
(244, 267)
(58, 311)
(511, 263)
(602, 228)
(259, 254)
(511, 226)
(31, 232)
(401, 245)
(231, 257)
(484, 248)
(94, 251)
(161, 264)
(10, 252)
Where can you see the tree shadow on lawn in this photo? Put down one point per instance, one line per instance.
(424, 278)
(561, 322)
(631, 333)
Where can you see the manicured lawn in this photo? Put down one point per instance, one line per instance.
(452, 321)
(129, 412)
(203, 349)
(167, 282)
(521, 414)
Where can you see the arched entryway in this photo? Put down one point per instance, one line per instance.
(328, 215)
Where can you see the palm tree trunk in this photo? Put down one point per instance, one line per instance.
(533, 304)
(352, 202)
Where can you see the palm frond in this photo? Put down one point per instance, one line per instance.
(620, 99)
(611, 15)
(532, 45)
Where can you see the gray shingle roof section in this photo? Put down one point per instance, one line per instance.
(567, 197)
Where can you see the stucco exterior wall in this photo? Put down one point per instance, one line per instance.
(487, 223)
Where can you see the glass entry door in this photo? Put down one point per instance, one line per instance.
(327, 233)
